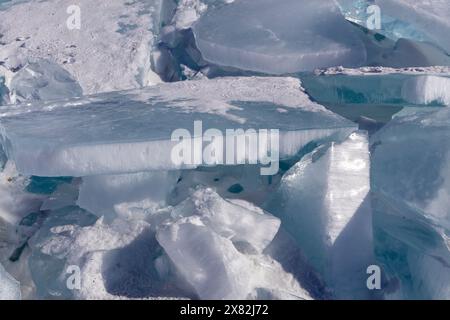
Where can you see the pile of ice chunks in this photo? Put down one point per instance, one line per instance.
(220, 149)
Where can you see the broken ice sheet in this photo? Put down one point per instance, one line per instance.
(130, 131)
(410, 183)
(278, 36)
(323, 203)
(43, 80)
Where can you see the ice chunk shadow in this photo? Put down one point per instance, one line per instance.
(351, 253)
(285, 250)
(130, 271)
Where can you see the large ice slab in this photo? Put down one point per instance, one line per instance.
(410, 183)
(323, 203)
(9, 287)
(110, 49)
(131, 131)
(377, 86)
(275, 37)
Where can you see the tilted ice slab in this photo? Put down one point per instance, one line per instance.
(323, 203)
(130, 131)
(411, 187)
(275, 37)
(420, 20)
(206, 239)
(110, 51)
(9, 287)
(377, 85)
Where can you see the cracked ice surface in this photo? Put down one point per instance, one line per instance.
(131, 131)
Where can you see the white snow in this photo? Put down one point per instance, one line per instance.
(247, 228)
(111, 50)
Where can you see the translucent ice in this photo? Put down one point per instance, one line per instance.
(9, 287)
(104, 195)
(420, 20)
(206, 243)
(323, 203)
(377, 86)
(124, 132)
(43, 80)
(247, 229)
(410, 183)
(278, 36)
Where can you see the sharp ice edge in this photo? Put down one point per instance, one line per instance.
(323, 203)
(82, 141)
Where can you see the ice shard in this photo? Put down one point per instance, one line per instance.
(410, 184)
(277, 37)
(131, 131)
(323, 203)
(43, 80)
(249, 229)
